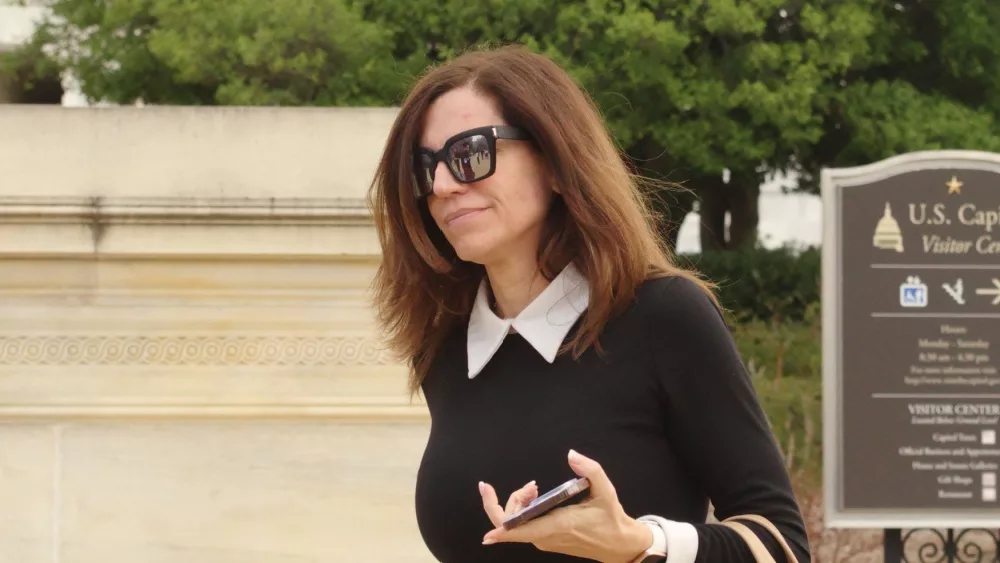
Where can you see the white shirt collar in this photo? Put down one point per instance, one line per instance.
(544, 323)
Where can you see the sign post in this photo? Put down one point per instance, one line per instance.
(911, 342)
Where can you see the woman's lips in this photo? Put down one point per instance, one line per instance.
(462, 216)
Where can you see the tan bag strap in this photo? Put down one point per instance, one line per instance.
(760, 552)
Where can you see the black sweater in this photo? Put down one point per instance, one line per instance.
(667, 409)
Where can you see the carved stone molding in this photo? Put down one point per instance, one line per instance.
(166, 210)
(378, 413)
(191, 350)
(186, 226)
(189, 307)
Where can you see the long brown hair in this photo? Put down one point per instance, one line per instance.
(601, 222)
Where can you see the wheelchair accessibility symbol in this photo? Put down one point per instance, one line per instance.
(913, 293)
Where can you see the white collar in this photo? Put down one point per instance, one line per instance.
(544, 323)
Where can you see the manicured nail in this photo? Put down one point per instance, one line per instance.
(573, 456)
(482, 487)
(488, 541)
(530, 483)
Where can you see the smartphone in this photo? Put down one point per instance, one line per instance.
(547, 502)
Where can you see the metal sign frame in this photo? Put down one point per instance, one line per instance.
(833, 182)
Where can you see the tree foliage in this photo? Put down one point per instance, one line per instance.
(28, 75)
(689, 88)
(237, 52)
(930, 80)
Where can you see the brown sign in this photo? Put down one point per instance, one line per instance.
(911, 323)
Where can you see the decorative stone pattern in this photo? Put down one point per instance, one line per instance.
(192, 350)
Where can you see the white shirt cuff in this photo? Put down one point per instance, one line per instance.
(680, 539)
(659, 538)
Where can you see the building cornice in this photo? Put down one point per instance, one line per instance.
(188, 210)
(153, 226)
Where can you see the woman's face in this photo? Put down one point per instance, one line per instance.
(501, 217)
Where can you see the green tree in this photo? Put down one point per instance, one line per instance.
(755, 87)
(237, 52)
(931, 80)
(690, 88)
(28, 75)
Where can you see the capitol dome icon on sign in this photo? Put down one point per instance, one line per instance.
(887, 233)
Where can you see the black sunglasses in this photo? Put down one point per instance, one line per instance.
(469, 155)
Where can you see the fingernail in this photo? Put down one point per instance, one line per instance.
(573, 456)
(488, 541)
(481, 487)
(530, 483)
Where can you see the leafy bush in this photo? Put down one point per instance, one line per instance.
(784, 360)
(763, 284)
(778, 350)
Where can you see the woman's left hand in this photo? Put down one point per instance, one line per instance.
(596, 528)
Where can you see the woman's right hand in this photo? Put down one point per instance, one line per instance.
(517, 500)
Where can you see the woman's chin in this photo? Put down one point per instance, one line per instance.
(475, 248)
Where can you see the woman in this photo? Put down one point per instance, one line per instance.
(524, 284)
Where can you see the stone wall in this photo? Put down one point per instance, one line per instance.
(189, 370)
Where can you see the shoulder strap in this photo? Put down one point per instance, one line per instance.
(760, 552)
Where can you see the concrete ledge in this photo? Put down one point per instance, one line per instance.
(188, 210)
(129, 226)
(346, 413)
(190, 152)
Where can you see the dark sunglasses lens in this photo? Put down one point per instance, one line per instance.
(470, 158)
(423, 167)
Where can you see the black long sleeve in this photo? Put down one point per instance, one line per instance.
(715, 421)
(666, 407)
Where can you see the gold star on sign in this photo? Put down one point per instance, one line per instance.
(954, 186)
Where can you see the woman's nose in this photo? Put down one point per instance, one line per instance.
(444, 183)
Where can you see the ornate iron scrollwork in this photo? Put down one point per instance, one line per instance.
(928, 545)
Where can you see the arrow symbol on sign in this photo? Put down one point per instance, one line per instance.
(991, 291)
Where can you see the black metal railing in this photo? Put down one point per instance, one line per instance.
(929, 545)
